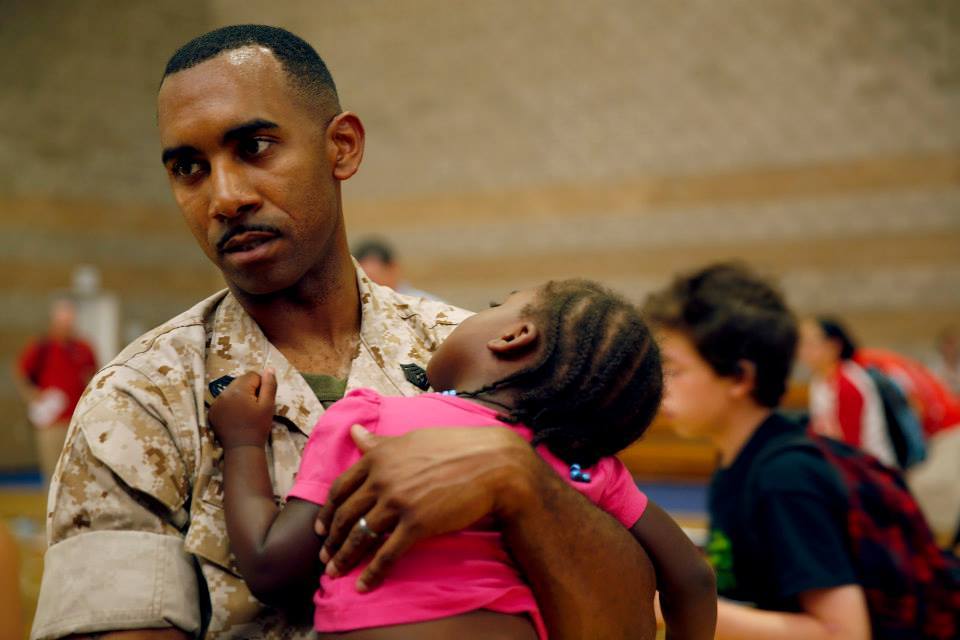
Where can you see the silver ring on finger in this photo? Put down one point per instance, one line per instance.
(366, 530)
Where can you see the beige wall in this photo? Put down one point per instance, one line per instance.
(510, 142)
(80, 175)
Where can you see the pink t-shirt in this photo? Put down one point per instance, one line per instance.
(445, 575)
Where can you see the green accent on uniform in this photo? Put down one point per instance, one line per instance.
(327, 388)
(720, 556)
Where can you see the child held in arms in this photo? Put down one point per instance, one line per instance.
(570, 367)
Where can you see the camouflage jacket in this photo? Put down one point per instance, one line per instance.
(135, 524)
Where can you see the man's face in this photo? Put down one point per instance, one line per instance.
(696, 400)
(251, 168)
(950, 346)
(62, 316)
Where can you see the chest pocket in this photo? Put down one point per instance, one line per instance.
(207, 536)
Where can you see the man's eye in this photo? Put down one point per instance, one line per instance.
(494, 304)
(254, 147)
(185, 168)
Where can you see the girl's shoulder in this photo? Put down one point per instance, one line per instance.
(362, 395)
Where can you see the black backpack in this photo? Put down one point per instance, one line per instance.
(903, 426)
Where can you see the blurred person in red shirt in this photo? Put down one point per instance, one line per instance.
(844, 401)
(935, 403)
(51, 374)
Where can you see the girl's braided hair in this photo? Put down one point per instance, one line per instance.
(597, 383)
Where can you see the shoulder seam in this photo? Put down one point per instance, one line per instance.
(182, 446)
(153, 340)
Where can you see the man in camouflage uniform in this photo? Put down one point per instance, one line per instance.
(256, 145)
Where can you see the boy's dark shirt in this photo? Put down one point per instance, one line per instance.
(792, 538)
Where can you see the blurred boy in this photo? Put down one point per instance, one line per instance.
(728, 342)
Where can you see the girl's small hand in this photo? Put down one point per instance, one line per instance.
(242, 414)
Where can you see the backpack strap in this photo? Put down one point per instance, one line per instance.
(903, 427)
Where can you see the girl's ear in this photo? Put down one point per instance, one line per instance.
(515, 340)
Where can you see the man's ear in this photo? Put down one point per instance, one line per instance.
(745, 380)
(515, 340)
(345, 139)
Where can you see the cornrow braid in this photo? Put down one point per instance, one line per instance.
(597, 383)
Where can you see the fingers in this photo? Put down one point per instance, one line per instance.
(363, 438)
(361, 542)
(268, 389)
(344, 486)
(386, 556)
(247, 384)
(344, 520)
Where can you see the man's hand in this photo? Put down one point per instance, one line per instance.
(242, 414)
(422, 484)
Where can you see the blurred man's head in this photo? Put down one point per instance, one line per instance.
(728, 341)
(63, 315)
(948, 344)
(378, 261)
(255, 146)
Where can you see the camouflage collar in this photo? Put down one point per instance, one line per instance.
(383, 322)
(237, 345)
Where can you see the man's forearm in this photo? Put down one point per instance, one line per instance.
(590, 577)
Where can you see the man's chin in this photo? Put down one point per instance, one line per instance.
(250, 285)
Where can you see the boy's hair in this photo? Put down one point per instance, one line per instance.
(304, 67)
(730, 314)
(836, 332)
(597, 383)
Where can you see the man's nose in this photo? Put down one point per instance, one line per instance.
(232, 193)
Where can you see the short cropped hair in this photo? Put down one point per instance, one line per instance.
(303, 65)
(730, 314)
(374, 248)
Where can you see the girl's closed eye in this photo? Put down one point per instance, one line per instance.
(494, 305)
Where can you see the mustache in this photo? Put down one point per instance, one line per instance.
(232, 232)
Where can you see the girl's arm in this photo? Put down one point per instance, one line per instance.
(687, 584)
(276, 549)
